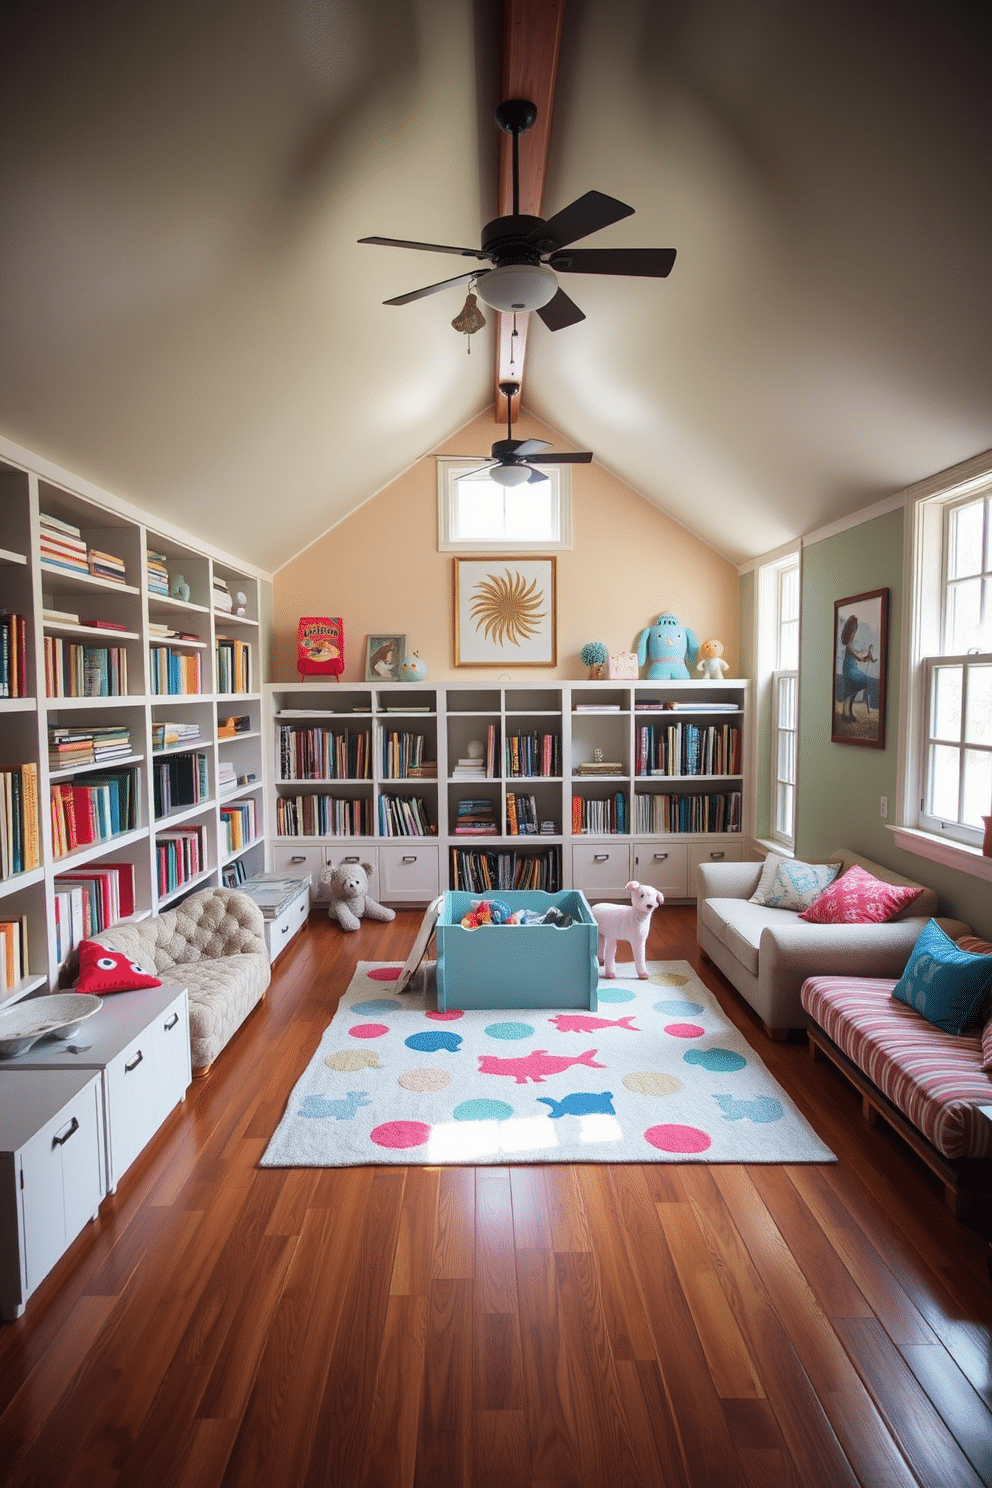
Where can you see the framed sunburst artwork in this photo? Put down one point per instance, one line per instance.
(506, 612)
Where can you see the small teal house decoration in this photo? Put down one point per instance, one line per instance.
(665, 646)
(180, 588)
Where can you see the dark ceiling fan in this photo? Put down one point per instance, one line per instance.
(514, 459)
(527, 252)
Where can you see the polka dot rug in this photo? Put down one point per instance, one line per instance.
(658, 1074)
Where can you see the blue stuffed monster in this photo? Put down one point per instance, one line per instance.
(666, 645)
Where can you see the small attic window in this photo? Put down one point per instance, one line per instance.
(475, 515)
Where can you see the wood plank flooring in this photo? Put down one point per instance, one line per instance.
(521, 1327)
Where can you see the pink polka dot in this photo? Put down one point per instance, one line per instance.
(368, 1030)
(400, 1134)
(673, 1138)
(684, 1030)
(385, 973)
(445, 1017)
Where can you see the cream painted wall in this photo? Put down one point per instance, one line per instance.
(381, 572)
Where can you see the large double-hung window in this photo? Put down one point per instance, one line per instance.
(947, 750)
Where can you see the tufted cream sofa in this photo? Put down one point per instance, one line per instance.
(213, 943)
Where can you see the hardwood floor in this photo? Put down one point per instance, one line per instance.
(555, 1327)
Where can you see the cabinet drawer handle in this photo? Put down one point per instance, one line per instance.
(66, 1133)
(409, 857)
(350, 860)
(601, 857)
(134, 1062)
(297, 858)
(284, 930)
(718, 854)
(172, 1023)
(661, 857)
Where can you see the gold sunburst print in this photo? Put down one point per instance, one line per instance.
(507, 609)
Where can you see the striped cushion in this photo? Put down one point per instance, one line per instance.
(934, 1078)
(981, 948)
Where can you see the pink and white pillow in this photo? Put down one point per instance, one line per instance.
(981, 948)
(858, 898)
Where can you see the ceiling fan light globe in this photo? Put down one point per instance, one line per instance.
(517, 287)
(509, 475)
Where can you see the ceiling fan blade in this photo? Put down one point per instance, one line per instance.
(418, 294)
(536, 475)
(587, 214)
(647, 263)
(527, 448)
(560, 312)
(429, 247)
(482, 470)
(580, 457)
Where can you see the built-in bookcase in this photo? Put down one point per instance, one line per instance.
(560, 785)
(116, 687)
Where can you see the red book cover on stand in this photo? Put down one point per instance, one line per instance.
(320, 646)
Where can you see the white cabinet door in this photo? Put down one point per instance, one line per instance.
(601, 869)
(132, 1096)
(408, 872)
(172, 1058)
(663, 865)
(722, 851)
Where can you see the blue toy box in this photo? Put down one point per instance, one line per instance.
(517, 966)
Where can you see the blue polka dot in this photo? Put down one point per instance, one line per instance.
(719, 1061)
(482, 1110)
(510, 1030)
(679, 1009)
(614, 994)
(376, 1005)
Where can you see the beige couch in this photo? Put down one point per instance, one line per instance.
(767, 954)
(213, 943)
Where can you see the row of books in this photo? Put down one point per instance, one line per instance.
(522, 818)
(13, 952)
(476, 818)
(183, 780)
(719, 811)
(180, 854)
(173, 673)
(174, 735)
(403, 754)
(599, 818)
(233, 665)
(318, 814)
(87, 744)
(404, 816)
(533, 754)
(479, 871)
(689, 749)
(90, 899)
(233, 874)
(13, 656)
(20, 842)
(239, 823)
(92, 810)
(73, 670)
(321, 754)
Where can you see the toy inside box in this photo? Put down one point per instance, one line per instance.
(517, 966)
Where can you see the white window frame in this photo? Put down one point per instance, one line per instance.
(926, 509)
(450, 468)
(776, 679)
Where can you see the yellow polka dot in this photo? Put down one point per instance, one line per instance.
(652, 1082)
(424, 1079)
(352, 1059)
(669, 979)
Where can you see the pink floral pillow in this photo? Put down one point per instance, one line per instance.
(858, 898)
(980, 948)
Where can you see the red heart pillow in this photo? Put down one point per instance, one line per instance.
(103, 970)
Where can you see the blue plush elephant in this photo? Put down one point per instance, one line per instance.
(666, 646)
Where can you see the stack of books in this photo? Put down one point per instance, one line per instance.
(227, 780)
(169, 735)
(222, 595)
(476, 767)
(476, 819)
(61, 545)
(158, 574)
(87, 744)
(106, 566)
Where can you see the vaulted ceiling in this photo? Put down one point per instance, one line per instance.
(187, 318)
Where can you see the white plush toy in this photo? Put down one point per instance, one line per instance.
(350, 898)
(628, 922)
(711, 662)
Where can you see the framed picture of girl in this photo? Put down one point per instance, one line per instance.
(860, 658)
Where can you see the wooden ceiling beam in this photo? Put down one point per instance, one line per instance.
(532, 31)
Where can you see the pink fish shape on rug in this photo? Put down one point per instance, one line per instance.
(586, 1023)
(535, 1066)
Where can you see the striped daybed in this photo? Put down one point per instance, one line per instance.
(925, 1083)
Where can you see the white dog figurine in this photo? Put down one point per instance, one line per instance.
(626, 922)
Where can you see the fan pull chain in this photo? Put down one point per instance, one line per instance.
(513, 346)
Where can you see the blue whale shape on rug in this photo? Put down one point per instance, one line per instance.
(718, 1061)
(761, 1109)
(342, 1110)
(580, 1103)
(430, 1043)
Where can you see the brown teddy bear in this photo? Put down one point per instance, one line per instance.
(350, 898)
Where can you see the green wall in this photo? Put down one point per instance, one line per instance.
(840, 785)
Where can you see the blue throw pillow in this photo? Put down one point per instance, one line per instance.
(949, 987)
